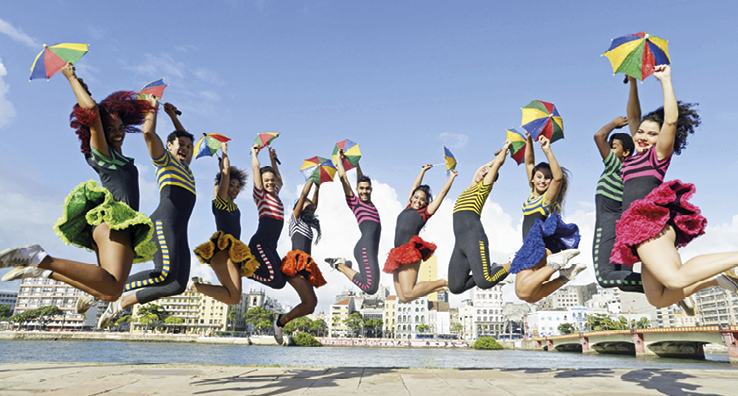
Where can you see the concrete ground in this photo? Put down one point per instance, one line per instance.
(112, 379)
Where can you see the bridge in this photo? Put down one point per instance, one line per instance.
(680, 342)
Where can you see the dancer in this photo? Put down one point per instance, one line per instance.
(229, 258)
(176, 201)
(659, 218)
(403, 262)
(548, 242)
(366, 250)
(302, 272)
(470, 265)
(100, 218)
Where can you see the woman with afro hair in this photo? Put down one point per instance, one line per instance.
(104, 218)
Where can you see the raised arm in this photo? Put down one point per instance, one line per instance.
(256, 168)
(153, 141)
(275, 163)
(97, 133)
(665, 144)
(497, 163)
(347, 190)
(301, 201)
(557, 176)
(173, 115)
(530, 158)
(315, 196)
(225, 173)
(601, 136)
(633, 111)
(433, 206)
(418, 180)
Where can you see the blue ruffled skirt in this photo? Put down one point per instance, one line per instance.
(552, 234)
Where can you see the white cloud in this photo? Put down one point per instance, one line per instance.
(7, 110)
(454, 140)
(17, 35)
(97, 32)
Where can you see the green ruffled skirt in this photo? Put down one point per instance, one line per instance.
(89, 205)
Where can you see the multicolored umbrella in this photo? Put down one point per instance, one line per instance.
(51, 59)
(154, 88)
(519, 141)
(450, 160)
(351, 154)
(318, 170)
(209, 144)
(638, 54)
(263, 139)
(542, 118)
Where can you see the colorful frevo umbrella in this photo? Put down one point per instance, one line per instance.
(519, 140)
(542, 118)
(351, 154)
(209, 144)
(154, 88)
(638, 54)
(318, 170)
(263, 139)
(450, 160)
(52, 58)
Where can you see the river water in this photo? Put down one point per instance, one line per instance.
(136, 352)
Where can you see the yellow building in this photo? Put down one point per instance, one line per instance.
(429, 272)
(389, 318)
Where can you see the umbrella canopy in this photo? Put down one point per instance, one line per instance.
(519, 141)
(638, 54)
(209, 144)
(154, 88)
(263, 139)
(542, 118)
(318, 170)
(351, 154)
(450, 160)
(51, 60)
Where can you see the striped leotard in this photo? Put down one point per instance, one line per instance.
(264, 242)
(366, 250)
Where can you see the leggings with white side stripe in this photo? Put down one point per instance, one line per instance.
(263, 245)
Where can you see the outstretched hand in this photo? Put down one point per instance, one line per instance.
(426, 167)
(545, 142)
(661, 72)
(171, 109)
(68, 71)
(619, 122)
(454, 173)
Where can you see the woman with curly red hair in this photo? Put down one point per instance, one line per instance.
(104, 218)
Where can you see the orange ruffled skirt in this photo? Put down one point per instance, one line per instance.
(297, 261)
(237, 251)
(415, 250)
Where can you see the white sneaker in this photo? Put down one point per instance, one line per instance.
(114, 310)
(26, 272)
(84, 303)
(687, 305)
(278, 330)
(335, 262)
(726, 280)
(570, 273)
(511, 257)
(190, 284)
(560, 259)
(29, 255)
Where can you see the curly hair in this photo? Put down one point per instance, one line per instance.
(565, 175)
(122, 104)
(625, 140)
(235, 174)
(686, 123)
(426, 189)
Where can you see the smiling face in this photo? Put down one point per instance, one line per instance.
(115, 132)
(542, 180)
(618, 150)
(647, 136)
(181, 148)
(364, 190)
(269, 180)
(234, 188)
(481, 174)
(419, 200)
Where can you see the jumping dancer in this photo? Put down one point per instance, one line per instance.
(229, 258)
(659, 218)
(301, 270)
(366, 250)
(176, 201)
(470, 265)
(100, 218)
(548, 242)
(403, 262)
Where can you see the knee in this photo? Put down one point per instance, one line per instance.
(108, 298)
(233, 300)
(405, 299)
(455, 288)
(372, 290)
(674, 281)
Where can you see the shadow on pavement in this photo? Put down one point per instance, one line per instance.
(665, 382)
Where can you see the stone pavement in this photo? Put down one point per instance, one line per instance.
(111, 379)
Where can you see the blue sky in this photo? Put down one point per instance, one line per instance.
(400, 78)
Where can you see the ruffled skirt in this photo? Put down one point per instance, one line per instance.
(89, 205)
(415, 250)
(237, 251)
(647, 217)
(552, 234)
(298, 262)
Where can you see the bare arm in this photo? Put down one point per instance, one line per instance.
(173, 115)
(315, 196)
(497, 163)
(225, 173)
(273, 158)
(256, 168)
(530, 158)
(557, 175)
(665, 144)
(433, 207)
(601, 136)
(301, 202)
(347, 190)
(418, 180)
(633, 111)
(153, 141)
(97, 133)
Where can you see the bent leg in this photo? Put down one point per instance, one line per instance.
(486, 274)
(308, 299)
(407, 278)
(229, 275)
(367, 258)
(459, 271)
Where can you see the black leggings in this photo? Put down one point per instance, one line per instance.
(263, 245)
(172, 259)
(366, 253)
(610, 274)
(469, 265)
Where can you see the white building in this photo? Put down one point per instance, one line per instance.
(546, 323)
(39, 292)
(9, 299)
(410, 316)
(466, 318)
(487, 313)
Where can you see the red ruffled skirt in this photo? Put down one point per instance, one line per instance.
(415, 250)
(647, 217)
(237, 251)
(297, 261)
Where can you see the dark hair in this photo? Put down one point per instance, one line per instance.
(178, 134)
(625, 140)
(426, 189)
(235, 174)
(267, 169)
(565, 175)
(122, 104)
(364, 179)
(686, 123)
(310, 219)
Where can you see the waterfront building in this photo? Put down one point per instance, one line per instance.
(546, 323)
(39, 292)
(606, 299)
(567, 297)
(339, 312)
(345, 294)
(389, 317)
(487, 313)
(373, 309)
(453, 320)
(716, 306)
(410, 316)
(515, 317)
(427, 272)
(439, 317)
(466, 318)
(9, 299)
(683, 320)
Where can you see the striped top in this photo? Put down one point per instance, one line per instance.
(364, 211)
(610, 184)
(297, 226)
(169, 171)
(535, 204)
(473, 198)
(646, 165)
(227, 216)
(269, 205)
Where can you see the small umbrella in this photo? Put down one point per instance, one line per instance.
(519, 141)
(543, 118)
(52, 58)
(209, 144)
(154, 88)
(450, 160)
(263, 139)
(351, 154)
(318, 170)
(638, 54)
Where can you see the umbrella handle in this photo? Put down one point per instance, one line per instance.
(439, 164)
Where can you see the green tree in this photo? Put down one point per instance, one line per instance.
(599, 322)
(5, 311)
(173, 321)
(423, 328)
(305, 339)
(319, 327)
(566, 328)
(259, 319)
(487, 343)
(150, 314)
(302, 323)
(355, 322)
(40, 315)
(642, 323)
(457, 328)
(374, 326)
